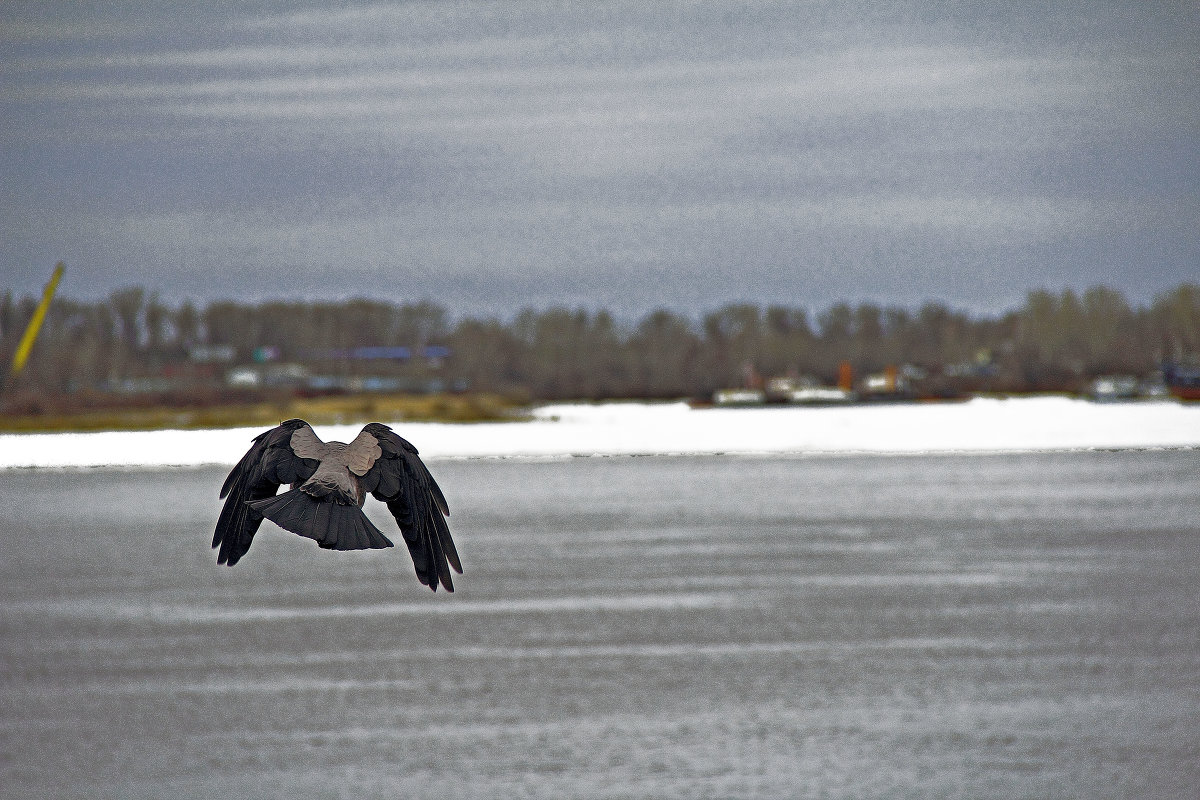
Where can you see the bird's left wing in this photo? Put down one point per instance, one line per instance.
(270, 462)
(396, 475)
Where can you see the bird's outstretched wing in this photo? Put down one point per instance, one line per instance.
(269, 463)
(399, 478)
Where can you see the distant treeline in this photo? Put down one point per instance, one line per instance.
(1054, 341)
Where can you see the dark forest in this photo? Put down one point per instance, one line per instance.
(132, 344)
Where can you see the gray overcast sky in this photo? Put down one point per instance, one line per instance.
(496, 155)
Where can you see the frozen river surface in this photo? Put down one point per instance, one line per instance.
(1005, 625)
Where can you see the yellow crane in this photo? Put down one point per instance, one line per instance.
(35, 323)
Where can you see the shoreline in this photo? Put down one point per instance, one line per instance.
(326, 410)
(1030, 424)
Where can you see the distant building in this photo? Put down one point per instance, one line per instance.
(1113, 387)
(212, 354)
(243, 378)
(739, 397)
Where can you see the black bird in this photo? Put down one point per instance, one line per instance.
(330, 481)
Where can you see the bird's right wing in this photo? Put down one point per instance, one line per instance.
(396, 475)
(270, 462)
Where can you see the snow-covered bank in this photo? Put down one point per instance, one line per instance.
(979, 425)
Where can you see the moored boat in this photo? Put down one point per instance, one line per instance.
(1183, 380)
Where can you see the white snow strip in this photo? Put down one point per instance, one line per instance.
(978, 425)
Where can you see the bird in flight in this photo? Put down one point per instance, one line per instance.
(330, 481)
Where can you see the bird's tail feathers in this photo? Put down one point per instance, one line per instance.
(334, 526)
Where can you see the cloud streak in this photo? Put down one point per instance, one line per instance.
(661, 154)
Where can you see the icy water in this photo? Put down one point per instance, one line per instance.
(920, 626)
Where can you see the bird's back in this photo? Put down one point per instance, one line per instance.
(333, 479)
